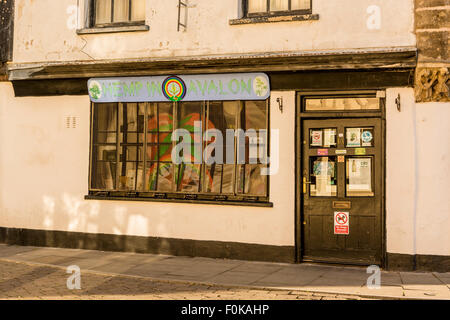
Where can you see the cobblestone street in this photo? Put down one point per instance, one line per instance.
(30, 281)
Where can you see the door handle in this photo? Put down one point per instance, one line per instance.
(305, 183)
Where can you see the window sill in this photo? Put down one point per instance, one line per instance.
(214, 202)
(114, 29)
(277, 18)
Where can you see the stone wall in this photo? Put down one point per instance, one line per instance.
(432, 27)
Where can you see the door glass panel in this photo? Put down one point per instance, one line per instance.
(359, 177)
(323, 177)
(359, 137)
(333, 104)
(322, 138)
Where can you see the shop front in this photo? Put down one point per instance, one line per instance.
(292, 161)
(180, 138)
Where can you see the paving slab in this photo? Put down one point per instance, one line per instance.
(286, 277)
(237, 278)
(312, 278)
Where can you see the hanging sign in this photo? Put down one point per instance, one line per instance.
(341, 223)
(229, 86)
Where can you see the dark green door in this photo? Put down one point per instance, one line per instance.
(342, 176)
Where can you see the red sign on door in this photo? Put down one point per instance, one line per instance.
(341, 223)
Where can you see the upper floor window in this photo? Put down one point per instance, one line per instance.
(275, 7)
(108, 12)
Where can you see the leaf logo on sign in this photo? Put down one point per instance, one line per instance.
(95, 90)
(260, 86)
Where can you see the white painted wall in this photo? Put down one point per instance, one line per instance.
(42, 31)
(418, 175)
(44, 177)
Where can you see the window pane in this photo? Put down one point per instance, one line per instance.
(314, 104)
(213, 178)
(300, 4)
(160, 117)
(165, 177)
(228, 178)
(188, 177)
(279, 5)
(105, 153)
(359, 177)
(159, 177)
(222, 116)
(255, 115)
(219, 179)
(132, 179)
(359, 137)
(103, 11)
(188, 114)
(257, 6)
(322, 138)
(104, 175)
(251, 181)
(105, 117)
(323, 177)
(138, 10)
(121, 10)
(151, 177)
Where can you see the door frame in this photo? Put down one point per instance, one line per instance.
(300, 115)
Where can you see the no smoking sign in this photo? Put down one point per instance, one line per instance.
(341, 223)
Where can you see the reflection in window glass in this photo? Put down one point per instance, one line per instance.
(323, 177)
(359, 177)
(332, 104)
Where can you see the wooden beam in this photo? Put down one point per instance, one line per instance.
(267, 62)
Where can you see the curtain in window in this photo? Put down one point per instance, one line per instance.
(279, 5)
(257, 6)
(300, 4)
(121, 10)
(103, 11)
(138, 10)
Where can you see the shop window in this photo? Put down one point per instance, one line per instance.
(277, 7)
(117, 12)
(132, 146)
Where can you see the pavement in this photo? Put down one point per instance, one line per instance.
(41, 273)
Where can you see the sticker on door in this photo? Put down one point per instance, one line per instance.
(341, 222)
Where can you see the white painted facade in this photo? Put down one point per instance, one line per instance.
(44, 165)
(342, 24)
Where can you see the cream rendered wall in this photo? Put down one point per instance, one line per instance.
(43, 30)
(417, 175)
(44, 177)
